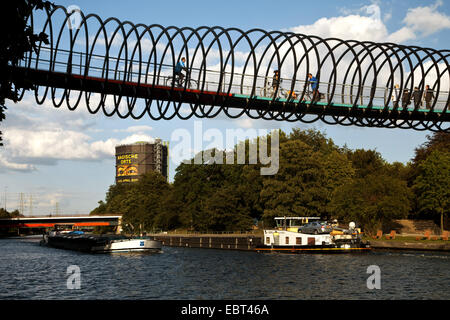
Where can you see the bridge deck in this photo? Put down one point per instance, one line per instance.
(216, 98)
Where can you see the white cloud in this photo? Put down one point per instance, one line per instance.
(6, 165)
(56, 144)
(402, 35)
(134, 129)
(362, 24)
(421, 22)
(366, 24)
(245, 122)
(136, 138)
(40, 135)
(27, 148)
(427, 20)
(353, 27)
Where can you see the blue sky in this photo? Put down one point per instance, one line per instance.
(77, 166)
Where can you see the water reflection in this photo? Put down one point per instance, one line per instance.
(28, 271)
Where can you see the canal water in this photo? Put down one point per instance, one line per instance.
(29, 271)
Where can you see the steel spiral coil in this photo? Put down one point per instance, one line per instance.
(229, 72)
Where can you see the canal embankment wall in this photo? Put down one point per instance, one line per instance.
(426, 245)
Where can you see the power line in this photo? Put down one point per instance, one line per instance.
(21, 203)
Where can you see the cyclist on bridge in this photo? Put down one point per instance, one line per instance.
(178, 68)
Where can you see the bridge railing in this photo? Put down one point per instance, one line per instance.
(259, 86)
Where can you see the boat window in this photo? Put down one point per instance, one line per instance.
(298, 240)
(267, 240)
(287, 240)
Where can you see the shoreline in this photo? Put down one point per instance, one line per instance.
(248, 241)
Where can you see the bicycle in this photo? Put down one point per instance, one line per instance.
(309, 96)
(269, 90)
(172, 81)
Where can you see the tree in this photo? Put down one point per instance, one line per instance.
(372, 201)
(194, 184)
(338, 172)
(313, 138)
(4, 213)
(168, 218)
(432, 185)
(13, 214)
(226, 211)
(16, 213)
(196, 187)
(305, 181)
(366, 162)
(151, 191)
(139, 203)
(101, 209)
(16, 39)
(437, 141)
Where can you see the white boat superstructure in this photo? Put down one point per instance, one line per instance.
(289, 236)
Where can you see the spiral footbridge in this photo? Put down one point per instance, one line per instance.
(127, 70)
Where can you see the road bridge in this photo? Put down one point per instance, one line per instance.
(64, 222)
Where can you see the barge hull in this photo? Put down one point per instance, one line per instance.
(314, 249)
(99, 244)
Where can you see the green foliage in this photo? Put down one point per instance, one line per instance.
(306, 180)
(101, 209)
(225, 211)
(438, 141)
(366, 162)
(140, 203)
(372, 201)
(202, 188)
(16, 39)
(432, 184)
(296, 190)
(315, 178)
(6, 214)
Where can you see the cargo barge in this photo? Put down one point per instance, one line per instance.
(80, 241)
(300, 235)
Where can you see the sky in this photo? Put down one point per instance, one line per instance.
(60, 161)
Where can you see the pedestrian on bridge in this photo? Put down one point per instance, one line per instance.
(406, 98)
(275, 81)
(417, 98)
(396, 95)
(429, 96)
